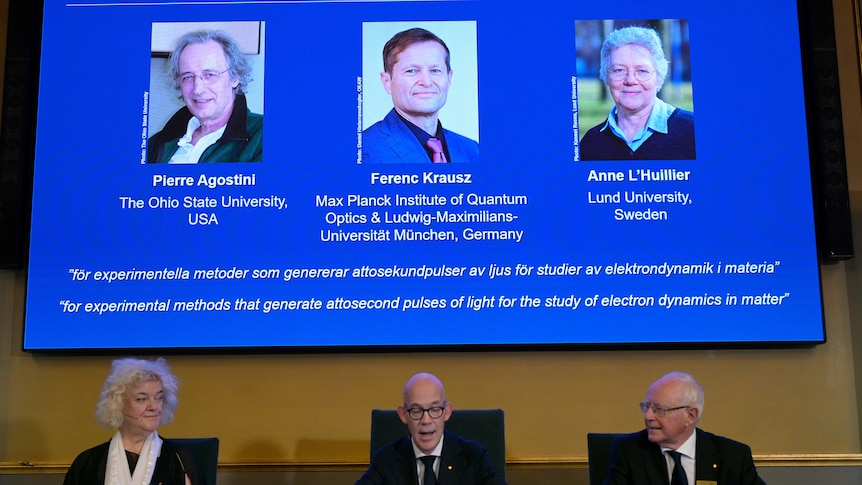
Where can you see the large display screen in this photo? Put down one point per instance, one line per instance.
(659, 196)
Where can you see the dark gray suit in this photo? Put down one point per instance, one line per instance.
(636, 460)
(462, 462)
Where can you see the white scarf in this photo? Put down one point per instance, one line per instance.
(117, 472)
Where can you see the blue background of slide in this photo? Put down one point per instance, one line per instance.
(750, 186)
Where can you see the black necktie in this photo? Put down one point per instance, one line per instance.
(429, 478)
(678, 476)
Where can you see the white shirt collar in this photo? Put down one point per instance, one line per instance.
(436, 451)
(188, 153)
(687, 450)
(419, 454)
(688, 447)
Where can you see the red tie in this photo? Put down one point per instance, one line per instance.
(436, 146)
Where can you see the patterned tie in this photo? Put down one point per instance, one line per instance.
(678, 476)
(436, 147)
(429, 478)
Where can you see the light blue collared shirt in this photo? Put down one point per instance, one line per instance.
(657, 122)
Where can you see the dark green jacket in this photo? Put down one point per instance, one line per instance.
(242, 140)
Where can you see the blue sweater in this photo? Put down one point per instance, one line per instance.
(677, 144)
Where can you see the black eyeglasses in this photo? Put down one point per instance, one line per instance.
(434, 412)
(658, 410)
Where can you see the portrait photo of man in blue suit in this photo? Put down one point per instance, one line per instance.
(417, 74)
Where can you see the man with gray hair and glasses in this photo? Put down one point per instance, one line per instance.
(672, 449)
(429, 455)
(211, 73)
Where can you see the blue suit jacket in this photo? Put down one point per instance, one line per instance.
(462, 462)
(636, 460)
(391, 141)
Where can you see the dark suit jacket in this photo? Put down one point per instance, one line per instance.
(391, 141)
(462, 462)
(635, 460)
(172, 465)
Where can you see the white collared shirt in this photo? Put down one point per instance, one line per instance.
(687, 451)
(188, 153)
(420, 467)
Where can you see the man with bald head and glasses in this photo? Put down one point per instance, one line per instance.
(672, 449)
(429, 455)
(211, 73)
(640, 126)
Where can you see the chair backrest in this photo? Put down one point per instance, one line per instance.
(205, 451)
(486, 426)
(599, 455)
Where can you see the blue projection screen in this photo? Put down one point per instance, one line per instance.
(317, 241)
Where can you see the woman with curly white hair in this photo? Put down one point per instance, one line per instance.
(137, 396)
